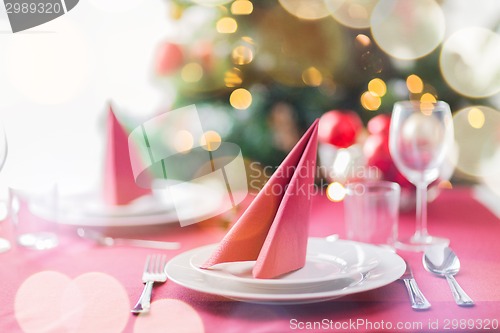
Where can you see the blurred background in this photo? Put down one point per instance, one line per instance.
(259, 72)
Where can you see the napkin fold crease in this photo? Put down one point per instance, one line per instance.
(119, 187)
(273, 230)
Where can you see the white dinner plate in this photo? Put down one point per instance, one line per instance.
(389, 268)
(322, 265)
(195, 203)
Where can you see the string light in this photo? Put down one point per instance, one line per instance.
(370, 101)
(363, 40)
(242, 55)
(183, 141)
(335, 192)
(192, 72)
(233, 78)
(476, 118)
(210, 140)
(377, 87)
(227, 25)
(241, 7)
(428, 98)
(415, 84)
(312, 77)
(240, 99)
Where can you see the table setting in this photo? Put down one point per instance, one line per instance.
(291, 259)
(303, 166)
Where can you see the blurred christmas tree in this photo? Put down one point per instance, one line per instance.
(261, 71)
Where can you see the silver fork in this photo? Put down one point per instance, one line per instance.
(154, 271)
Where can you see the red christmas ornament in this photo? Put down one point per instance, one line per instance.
(339, 128)
(169, 58)
(379, 124)
(400, 179)
(376, 151)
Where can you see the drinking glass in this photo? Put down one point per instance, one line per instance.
(4, 243)
(371, 212)
(420, 135)
(34, 213)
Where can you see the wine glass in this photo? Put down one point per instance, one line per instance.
(421, 133)
(4, 243)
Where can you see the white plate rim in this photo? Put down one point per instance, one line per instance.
(211, 205)
(292, 283)
(391, 267)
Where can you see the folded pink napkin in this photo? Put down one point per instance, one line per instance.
(274, 228)
(119, 187)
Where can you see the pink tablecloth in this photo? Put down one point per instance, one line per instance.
(26, 275)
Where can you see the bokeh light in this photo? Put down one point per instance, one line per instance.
(287, 46)
(38, 309)
(242, 55)
(183, 141)
(112, 6)
(427, 102)
(363, 40)
(87, 297)
(305, 9)
(415, 84)
(370, 101)
(211, 3)
(312, 77)
(478, 146)
(407, 29)
(210, 140)
(377, 87)
(178, 316)
(50, 68)
(240, 99)
(233, 77)
(242, 7)
(192, 72)
(226, 25)
(445, 185)
(66, 305)
(476, 118)
(351, 13)
(469, 62)
(10, 95)
(428, 98)
(335, 192)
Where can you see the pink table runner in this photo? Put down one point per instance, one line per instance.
(32, 282)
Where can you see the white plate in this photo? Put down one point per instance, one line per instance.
(197, 202)
(321, 266)
(390, 267)
(92, 205)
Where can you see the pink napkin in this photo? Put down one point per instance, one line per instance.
(274, 228)
(119, 182)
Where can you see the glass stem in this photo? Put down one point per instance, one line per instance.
(421, 231)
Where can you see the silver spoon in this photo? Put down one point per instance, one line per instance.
(443, 261)
(110, 241)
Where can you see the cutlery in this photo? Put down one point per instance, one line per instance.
(110, 241)
(417, 298)
(442, 261)
(154, 271)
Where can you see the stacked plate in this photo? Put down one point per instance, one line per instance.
(88, 209)
(332, 270)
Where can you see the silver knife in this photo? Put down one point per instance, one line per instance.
(418, 300)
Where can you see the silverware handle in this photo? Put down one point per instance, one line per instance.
(418, 300)
(159, 245)
(461, 298)
(144, 302)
